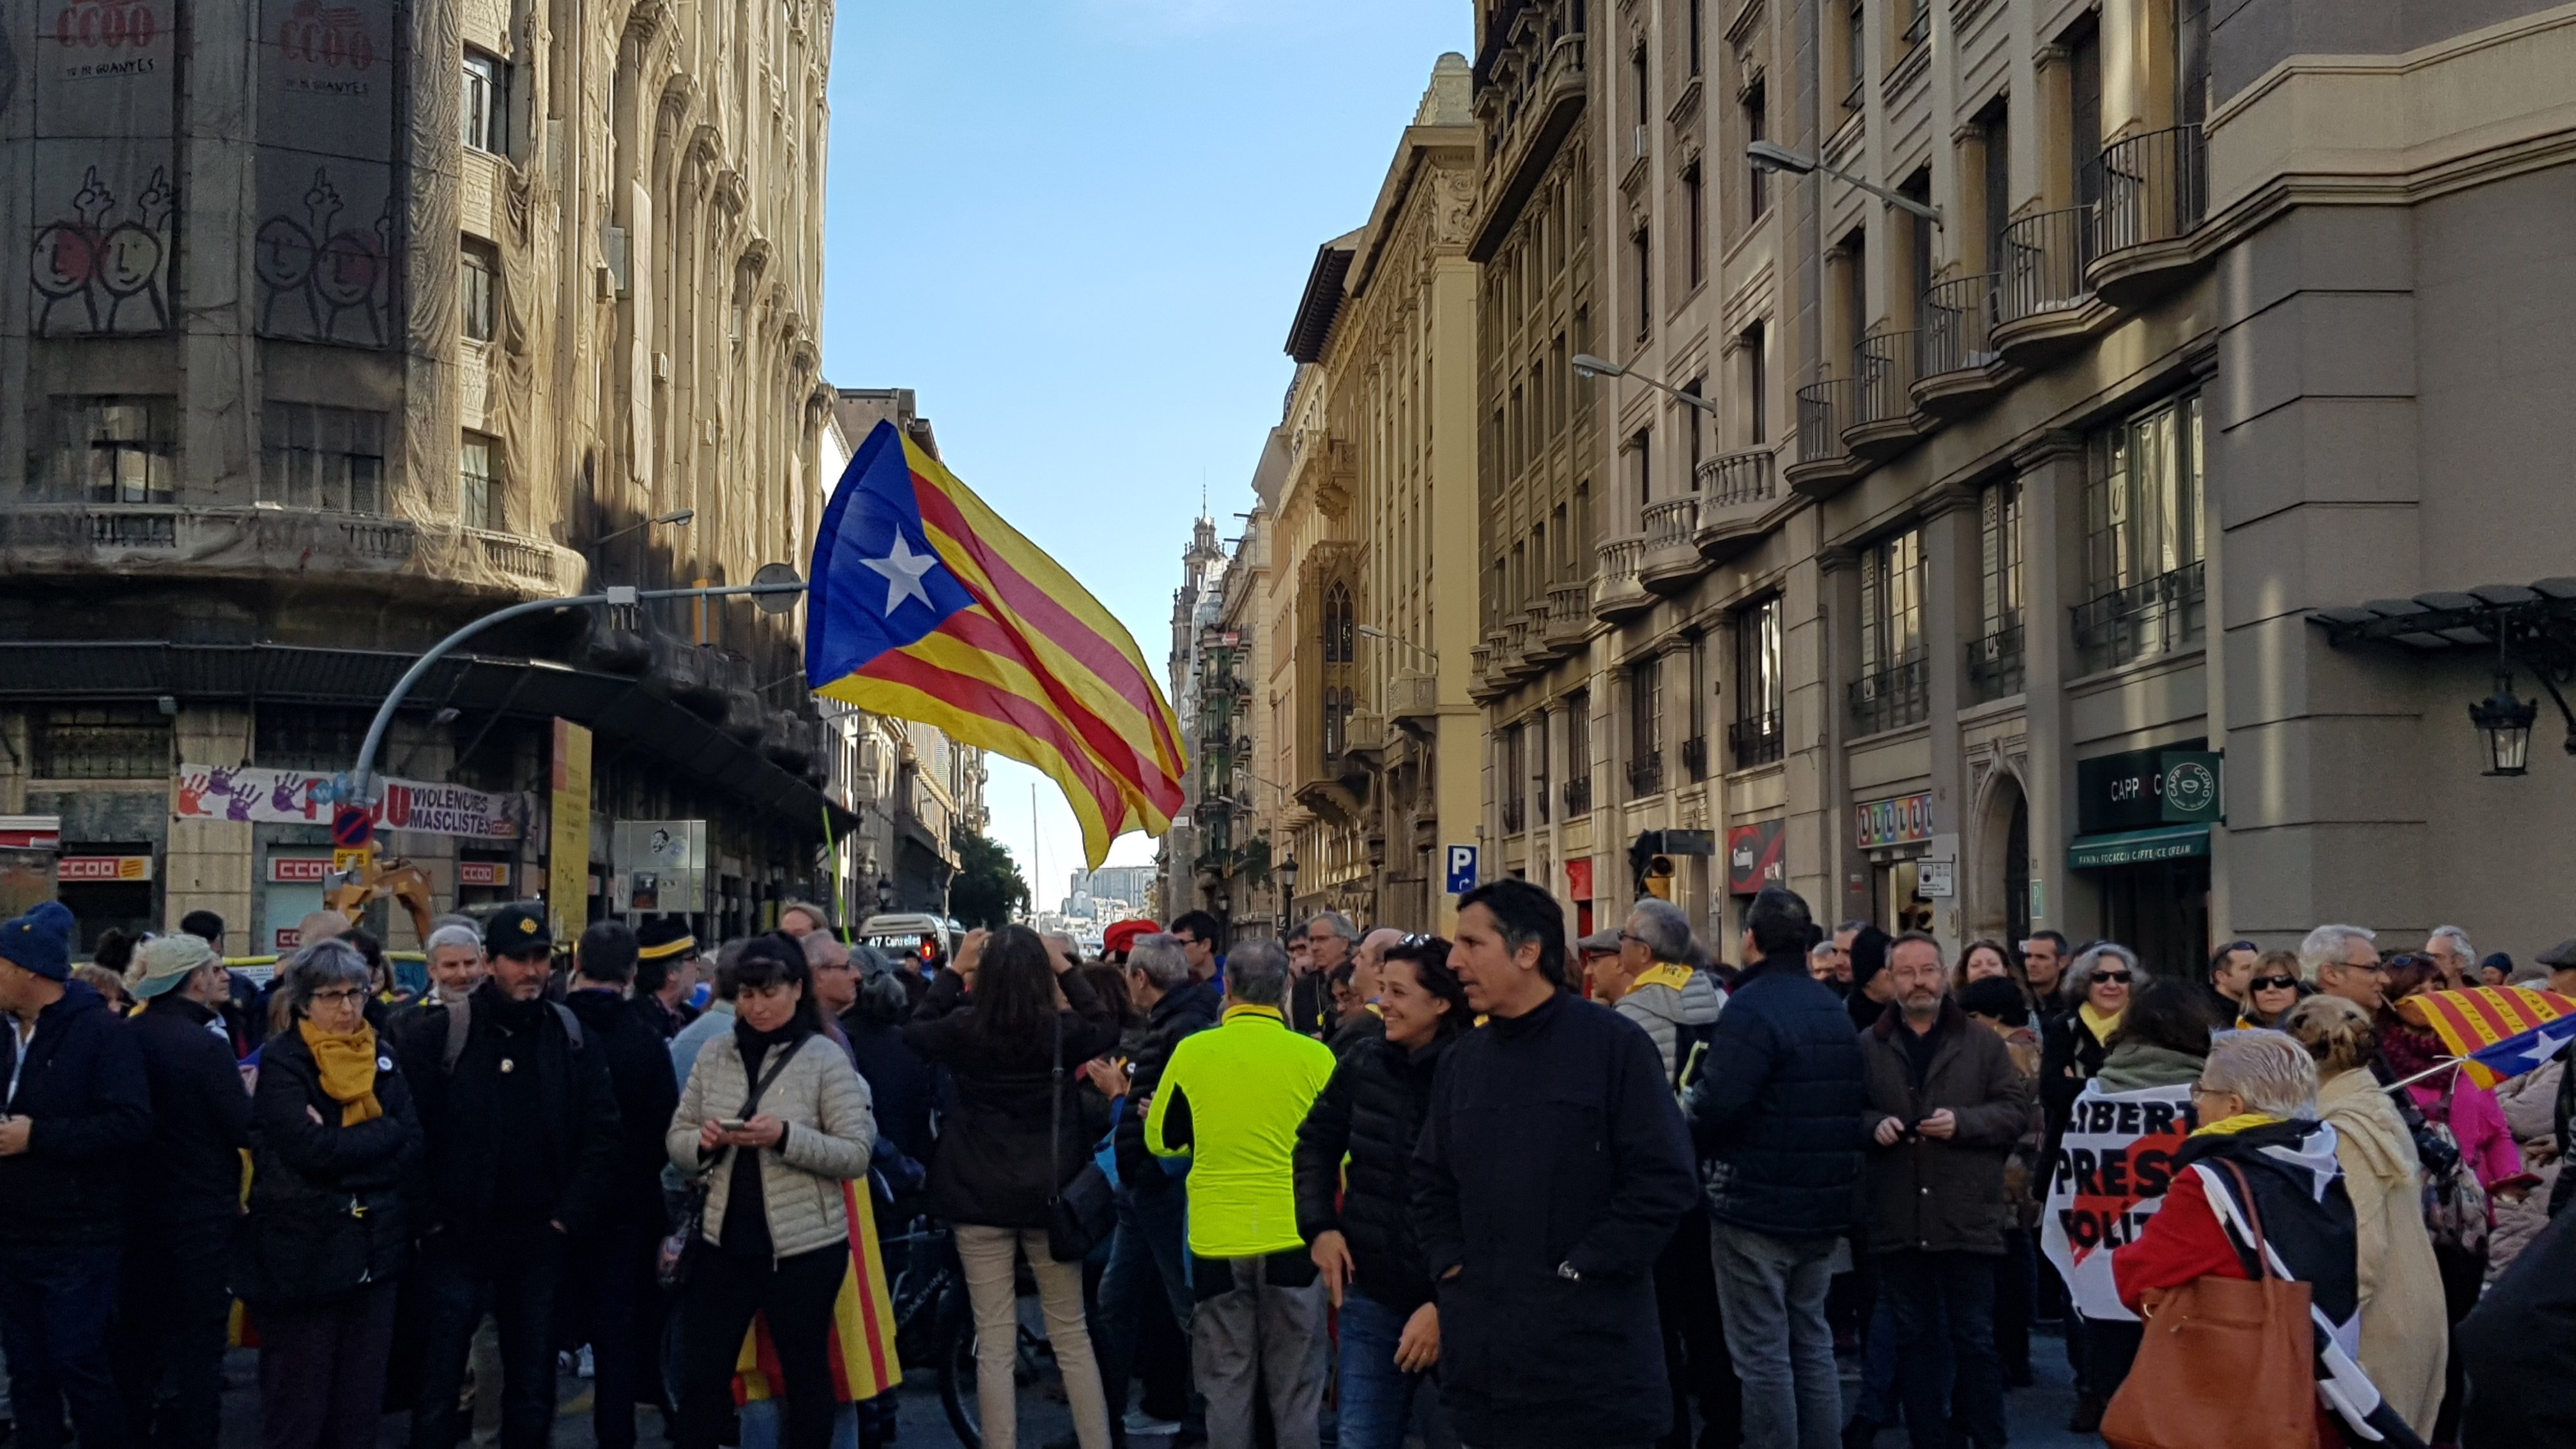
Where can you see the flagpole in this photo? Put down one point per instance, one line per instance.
(2446, 1064)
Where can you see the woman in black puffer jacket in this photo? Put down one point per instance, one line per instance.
(1362, 1236)
(334, 1146)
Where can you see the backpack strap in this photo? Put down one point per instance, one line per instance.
(460, 1021)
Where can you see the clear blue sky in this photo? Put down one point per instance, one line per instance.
(1078, 228)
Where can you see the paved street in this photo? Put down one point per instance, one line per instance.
(2037, 1414)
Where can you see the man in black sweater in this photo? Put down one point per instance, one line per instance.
(175, 1302)
(1551, 1170)
(609, 1273)
(522, 1133)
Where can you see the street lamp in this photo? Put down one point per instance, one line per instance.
(2506, 723)
(1771, 156)
(1373, 632)
(1287, 873)
(1587, 365)
(675, 516)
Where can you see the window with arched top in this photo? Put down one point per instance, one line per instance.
(1340, 632)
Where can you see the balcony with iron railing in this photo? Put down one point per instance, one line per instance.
(1569, 616)
(1824, 463)
(1646, 774)
(1739, 497)
(1891, 697)
(1577, 794)
(1671, 558)
(2155, 194)
(2155, 616)
(2043, 288)
(1695, 758)
(1995, 665)
(1882, 418)
(1958, 346)
(1617, 592)
(1756, 739)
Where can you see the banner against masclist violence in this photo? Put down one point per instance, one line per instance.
(305, 797)
(2109, 1178)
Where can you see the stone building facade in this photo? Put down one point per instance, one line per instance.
(2021, 573)
(343, 325)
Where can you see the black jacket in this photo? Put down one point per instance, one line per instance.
(90, 1105)
(639, 1073)
(901, 1085)
(1929, 1194)
(1310, 1002)
(192, 1173)
(1777, 1106)
(1193, 1006)
(331, 1207)
(2069, 1056)
(991, 1166)
(575, 1126)
(1551, 1147)
(1371, 1112)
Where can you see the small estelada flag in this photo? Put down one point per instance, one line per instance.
(2496, 1031)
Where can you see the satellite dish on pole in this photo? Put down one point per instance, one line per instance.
(785, 584)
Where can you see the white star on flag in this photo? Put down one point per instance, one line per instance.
(2542, 1050)
(903, 570)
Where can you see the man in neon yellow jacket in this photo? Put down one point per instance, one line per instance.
(1231, 1100)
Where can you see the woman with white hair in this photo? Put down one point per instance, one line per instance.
(2259, 1154)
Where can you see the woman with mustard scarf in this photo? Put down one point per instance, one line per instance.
(334, 1139)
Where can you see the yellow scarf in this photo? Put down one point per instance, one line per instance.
(347, 1061)
(2101, 1026)
(2241, 1122)
(1662, 973)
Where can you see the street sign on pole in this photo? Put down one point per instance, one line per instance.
(1462, 869)
(352, 828)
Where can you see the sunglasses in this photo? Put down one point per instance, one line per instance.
(2273, 983)
(2120, 977)
(1416, 938)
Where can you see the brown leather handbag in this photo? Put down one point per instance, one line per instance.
(2226, 1363)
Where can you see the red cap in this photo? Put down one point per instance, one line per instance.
(1121, 938)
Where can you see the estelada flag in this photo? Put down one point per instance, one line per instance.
(925, 605)
(2496, 1031)
(863, 1359)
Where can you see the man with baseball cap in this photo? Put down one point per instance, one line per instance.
(521, 1129)
(74, 1114)
(174, 1304)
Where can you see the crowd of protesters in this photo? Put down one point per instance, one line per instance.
(1506, 1190)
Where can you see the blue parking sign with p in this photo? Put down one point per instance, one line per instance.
(1462, 869)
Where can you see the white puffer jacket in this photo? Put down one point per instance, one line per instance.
(831, 1130)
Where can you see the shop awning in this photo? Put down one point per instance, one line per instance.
(2137, 847)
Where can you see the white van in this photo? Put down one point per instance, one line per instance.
(920, 936)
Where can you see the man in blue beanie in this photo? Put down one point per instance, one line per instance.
(76, 1111)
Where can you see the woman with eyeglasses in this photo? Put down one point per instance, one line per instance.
(2072, 1049)
(2272, 990)
(334, 1141)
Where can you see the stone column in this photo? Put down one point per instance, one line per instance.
(2052, 502)
(1950, 616)
(209, 863)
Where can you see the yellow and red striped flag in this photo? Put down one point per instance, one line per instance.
(925, 605)
(2496, 1031)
